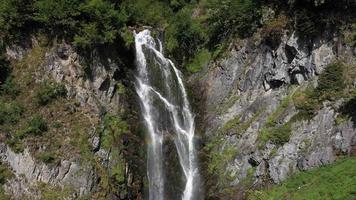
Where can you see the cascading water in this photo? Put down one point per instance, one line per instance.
(166, 113)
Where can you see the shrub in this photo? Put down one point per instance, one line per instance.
(331, 82)
(330, 87)
(37, 125)
(278, 135)
(184, 36)
(232, 18)
(46, 157)
(101, 24)
(14, 15)
(49, 92)
(57, 15)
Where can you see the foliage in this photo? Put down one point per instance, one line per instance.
(4, 69)
(331, 82)
(101, 26)
(219, 156)
(350, 35)
(37, 125)
(230, 18)
(49, 92)
(335, 181)
(200, 60)
(112, 136)
(273, 29)
(10, 113)
(184, 36)
(57, 15)
(5, 173)
(145, 12)
(330, 87)
(14, 15)
(278, 135)
(9, 87)
(114, 128)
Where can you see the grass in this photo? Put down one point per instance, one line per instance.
(332, 182)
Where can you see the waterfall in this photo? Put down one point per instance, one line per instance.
(167, 115)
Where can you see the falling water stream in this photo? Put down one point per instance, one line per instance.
(167, 115)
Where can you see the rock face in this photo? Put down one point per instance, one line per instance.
(94, 83)
(30, 172)
(253, 83)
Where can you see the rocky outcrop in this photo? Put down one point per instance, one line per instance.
(253, 83)
(29, 173)
(96, 83)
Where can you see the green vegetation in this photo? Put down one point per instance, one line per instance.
(336, 181)
(191, 27)
(278, 135)
(10, 113)
(230, 18)
(37, 125)
(54, 193)
(9, 87)
(112, 137)
(331, 86)
(114, 128)
(5, 174)
(219, 158)
(4, 69)
(49, 92)
(200, 60)
(46, 157)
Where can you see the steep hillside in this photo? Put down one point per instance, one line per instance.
(272, 85)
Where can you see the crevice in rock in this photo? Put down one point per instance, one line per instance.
(253, 162)
(105, 84)
(291, 52)
(275, 83)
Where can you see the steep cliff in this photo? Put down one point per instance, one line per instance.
(82, 150)
(255, 118)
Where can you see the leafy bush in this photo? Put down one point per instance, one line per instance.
(49, 92)
(331, 82)
(229, 18)
(184, 36)
(57, 15)
(14, 15)
(101, 25)
(37, 125)
(145, 12)
(330, 87)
